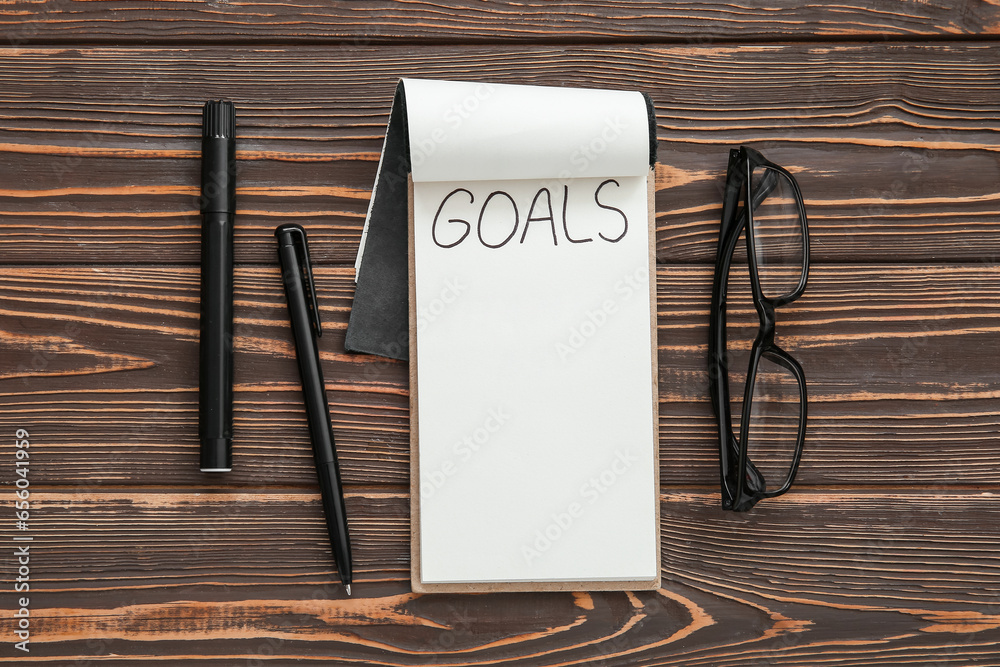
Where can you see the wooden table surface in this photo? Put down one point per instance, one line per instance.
(884, 553)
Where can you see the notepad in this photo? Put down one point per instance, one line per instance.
(531, 338)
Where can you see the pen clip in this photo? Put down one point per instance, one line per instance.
(297, 236)
(310, 284)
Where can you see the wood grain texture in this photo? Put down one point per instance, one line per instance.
(883, 554)
(890, 578)
(902, 363)
(393, 21)
(895, 147)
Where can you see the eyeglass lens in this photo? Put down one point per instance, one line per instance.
(772, 428)
(778, 237)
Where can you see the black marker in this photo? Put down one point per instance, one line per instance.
(218, 205)
(300, 291)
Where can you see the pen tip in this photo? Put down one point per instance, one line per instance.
(348, 587)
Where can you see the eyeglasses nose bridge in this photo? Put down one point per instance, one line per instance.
(765, 310)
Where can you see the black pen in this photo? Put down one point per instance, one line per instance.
(300, 291)
(218, 205)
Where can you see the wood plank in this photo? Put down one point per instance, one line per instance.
(894, 578)
(389, 21)
(895, 146)
(902, 365)
(79, 350)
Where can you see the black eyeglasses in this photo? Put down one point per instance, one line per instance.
(760, 436)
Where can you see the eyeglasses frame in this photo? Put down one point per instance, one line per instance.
(750, 486)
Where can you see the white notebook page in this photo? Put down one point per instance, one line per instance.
(535, 371)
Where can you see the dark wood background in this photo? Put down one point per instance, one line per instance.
(885, 552)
